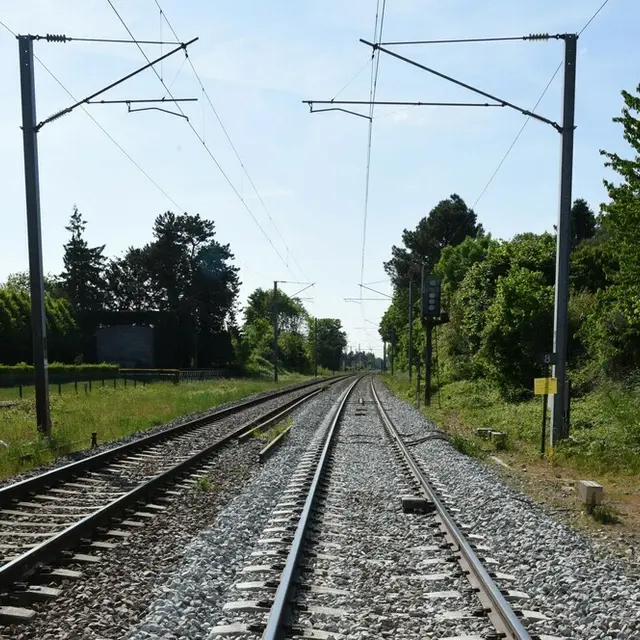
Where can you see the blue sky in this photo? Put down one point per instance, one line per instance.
(258, 60)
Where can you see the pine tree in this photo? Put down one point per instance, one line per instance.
(583, 222)
(83, 275)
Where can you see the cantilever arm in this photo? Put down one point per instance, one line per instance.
(505, 103)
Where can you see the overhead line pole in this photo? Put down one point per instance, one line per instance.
(560, 321)
(315, 347)
(36, 272)
(410, 327)
(275, 331)
(30, 128)
(560, 408)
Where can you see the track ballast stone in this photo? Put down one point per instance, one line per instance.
(584, 591)
(246, 415)
(193, 595)
(113, 596)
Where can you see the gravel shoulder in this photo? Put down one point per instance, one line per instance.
(585, 590)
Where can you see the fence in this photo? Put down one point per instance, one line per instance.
(86, 379)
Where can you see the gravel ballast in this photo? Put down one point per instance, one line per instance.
(396, 578)
(246, 415)
(172, 579)
(583, 591)
(189, 601)
(113, 595)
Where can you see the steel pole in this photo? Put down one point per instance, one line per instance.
(36, 272)
(427, 364)
(410, 327)
(315, 346)
(561, 321)
(393, 353)
(275, 331)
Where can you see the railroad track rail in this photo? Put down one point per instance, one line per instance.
(63, 516)
(333, 562)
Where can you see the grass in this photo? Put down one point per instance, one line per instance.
(206, 485)
(112, 413)
(605, 514)
(605, 424)
(271, 433)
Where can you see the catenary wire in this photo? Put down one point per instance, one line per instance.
(526, 122)
(104, 131)
(375, 59)
(353, 78)
(233, 147)
(207, 149)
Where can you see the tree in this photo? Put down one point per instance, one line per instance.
(20, 282)
(15, 325)
(291, 314)
(83, 275)
(188, 275)
(130, 283)
(518, 327)
(622, 213)
(331, 341)
(447, 224)
(258, 330)
(583, 222)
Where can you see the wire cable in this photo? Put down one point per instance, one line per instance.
(104, 131)
(353, 78)
(526, 122)
(375, 67)
(207, 149)
(233, 147)
(513, 144)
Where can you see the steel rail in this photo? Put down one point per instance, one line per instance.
(50, 549)
(60, 474)
(500, 612)
(278, 615)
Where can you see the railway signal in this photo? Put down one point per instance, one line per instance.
(431, 296)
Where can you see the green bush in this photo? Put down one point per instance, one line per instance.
(22, 373)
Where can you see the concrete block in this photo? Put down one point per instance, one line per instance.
(590, 492)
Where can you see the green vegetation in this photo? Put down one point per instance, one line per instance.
(206, 485)
(269, 434)
(605, 514)
(182, 283)
(15, 333)
(22, 373)
(605, 436)
(499, 295)
(296, 336)
(112, 413)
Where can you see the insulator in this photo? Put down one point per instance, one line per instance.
(55, 116)
(538, 36)
(54, 37)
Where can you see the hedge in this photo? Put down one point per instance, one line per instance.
(22, 373)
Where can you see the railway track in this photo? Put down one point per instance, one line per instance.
(65, 516)
(384, 556)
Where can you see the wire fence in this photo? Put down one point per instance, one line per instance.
(119, 379)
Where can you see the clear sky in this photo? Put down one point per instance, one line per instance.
(258, 60)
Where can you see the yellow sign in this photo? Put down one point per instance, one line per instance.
(545, 386)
